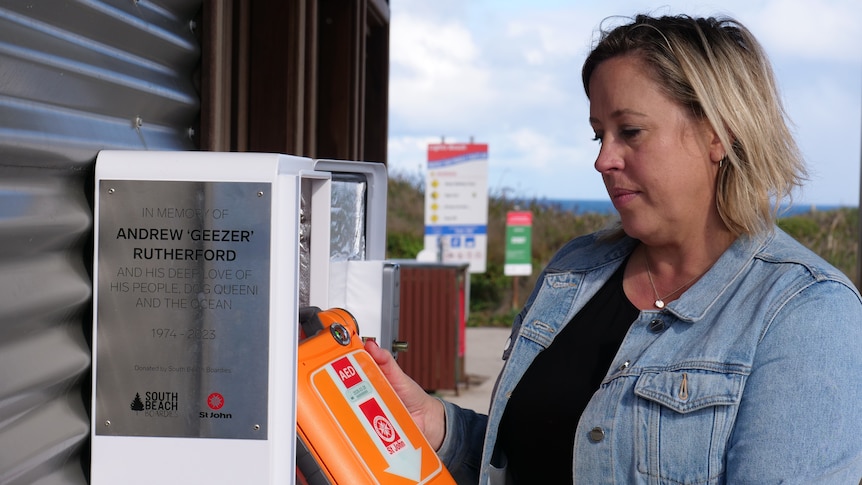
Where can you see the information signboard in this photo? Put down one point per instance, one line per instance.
(456, 204)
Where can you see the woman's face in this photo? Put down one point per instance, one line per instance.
(657, 162)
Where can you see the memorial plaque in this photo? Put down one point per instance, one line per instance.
(182, 336)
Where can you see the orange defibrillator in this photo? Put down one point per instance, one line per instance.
(351, 426)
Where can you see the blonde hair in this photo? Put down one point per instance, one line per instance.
(718, 70)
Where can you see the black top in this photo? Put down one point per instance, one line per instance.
(537, 431)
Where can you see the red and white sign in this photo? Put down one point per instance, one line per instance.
(519, 218)
(381, 425)
(456, 204)
(346, 372)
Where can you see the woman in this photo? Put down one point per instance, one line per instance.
(696, 342)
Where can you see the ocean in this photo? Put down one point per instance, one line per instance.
(586, 206)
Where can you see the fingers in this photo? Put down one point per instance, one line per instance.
(389, 367)
(380, 356)
(407, 389)
(426, 410)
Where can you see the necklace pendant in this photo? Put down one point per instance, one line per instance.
(659, 304)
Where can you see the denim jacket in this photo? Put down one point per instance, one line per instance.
(753, 375)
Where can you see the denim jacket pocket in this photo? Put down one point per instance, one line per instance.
(684, 420)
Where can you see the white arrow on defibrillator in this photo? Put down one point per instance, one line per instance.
(403, 458)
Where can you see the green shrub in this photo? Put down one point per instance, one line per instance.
(400, 245)
(801, 228)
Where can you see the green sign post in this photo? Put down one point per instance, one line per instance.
(519, 241)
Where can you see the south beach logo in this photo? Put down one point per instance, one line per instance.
(156, 404)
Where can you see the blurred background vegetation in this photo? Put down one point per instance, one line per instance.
(495, 298)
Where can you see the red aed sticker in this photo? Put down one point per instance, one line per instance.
(382, 426)
(345, 370)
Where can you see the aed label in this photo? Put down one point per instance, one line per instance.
(346, 372)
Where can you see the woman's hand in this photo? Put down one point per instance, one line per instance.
(427, 411)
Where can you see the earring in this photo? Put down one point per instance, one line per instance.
(721, 162)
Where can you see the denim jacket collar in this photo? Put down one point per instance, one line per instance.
(695, 302)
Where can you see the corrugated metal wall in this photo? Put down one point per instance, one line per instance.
(75, 77)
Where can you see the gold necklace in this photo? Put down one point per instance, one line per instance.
(659, 301)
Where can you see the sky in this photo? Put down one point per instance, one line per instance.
(507, 73)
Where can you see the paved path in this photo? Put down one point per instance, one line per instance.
(482, 363)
